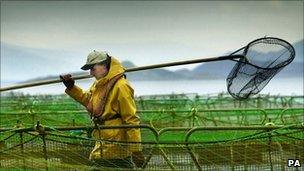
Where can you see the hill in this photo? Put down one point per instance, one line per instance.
(24, 62)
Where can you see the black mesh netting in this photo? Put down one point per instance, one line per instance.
(264, 58)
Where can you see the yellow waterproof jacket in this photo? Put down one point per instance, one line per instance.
(120, 101)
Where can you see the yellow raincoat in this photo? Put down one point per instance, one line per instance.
(120, 100)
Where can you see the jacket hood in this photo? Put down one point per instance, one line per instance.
(115, 69)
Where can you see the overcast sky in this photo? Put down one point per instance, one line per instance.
(147, 32)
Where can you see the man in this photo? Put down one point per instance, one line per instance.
(110, 102)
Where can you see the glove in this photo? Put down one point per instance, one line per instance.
(67, 80)
(138, 158)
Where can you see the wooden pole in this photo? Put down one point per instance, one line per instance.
(85, 76)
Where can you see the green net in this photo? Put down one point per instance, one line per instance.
(181, 132)
(201, 148)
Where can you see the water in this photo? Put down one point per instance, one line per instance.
(279, 86)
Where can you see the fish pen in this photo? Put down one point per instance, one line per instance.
(179, 132)
(197, 148)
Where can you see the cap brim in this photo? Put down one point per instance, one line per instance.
(87, 67)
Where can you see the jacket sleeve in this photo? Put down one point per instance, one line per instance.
(127, 109)
(79, 95)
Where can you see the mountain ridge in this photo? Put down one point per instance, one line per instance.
(210, 70)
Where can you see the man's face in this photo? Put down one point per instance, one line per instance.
(99, 71)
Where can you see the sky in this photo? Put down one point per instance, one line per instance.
(144, 32)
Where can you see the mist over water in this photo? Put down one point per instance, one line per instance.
(279, 86)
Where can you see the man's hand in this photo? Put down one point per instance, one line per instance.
(138, 158)
(67, 80)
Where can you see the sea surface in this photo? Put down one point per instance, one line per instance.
(277, 86)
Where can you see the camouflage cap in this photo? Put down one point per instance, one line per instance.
(93, 58)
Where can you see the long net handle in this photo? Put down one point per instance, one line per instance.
(85, 76)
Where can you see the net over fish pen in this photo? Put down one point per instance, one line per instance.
(199, 148)
(159, 111)
(162, 118)
(184, 138)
